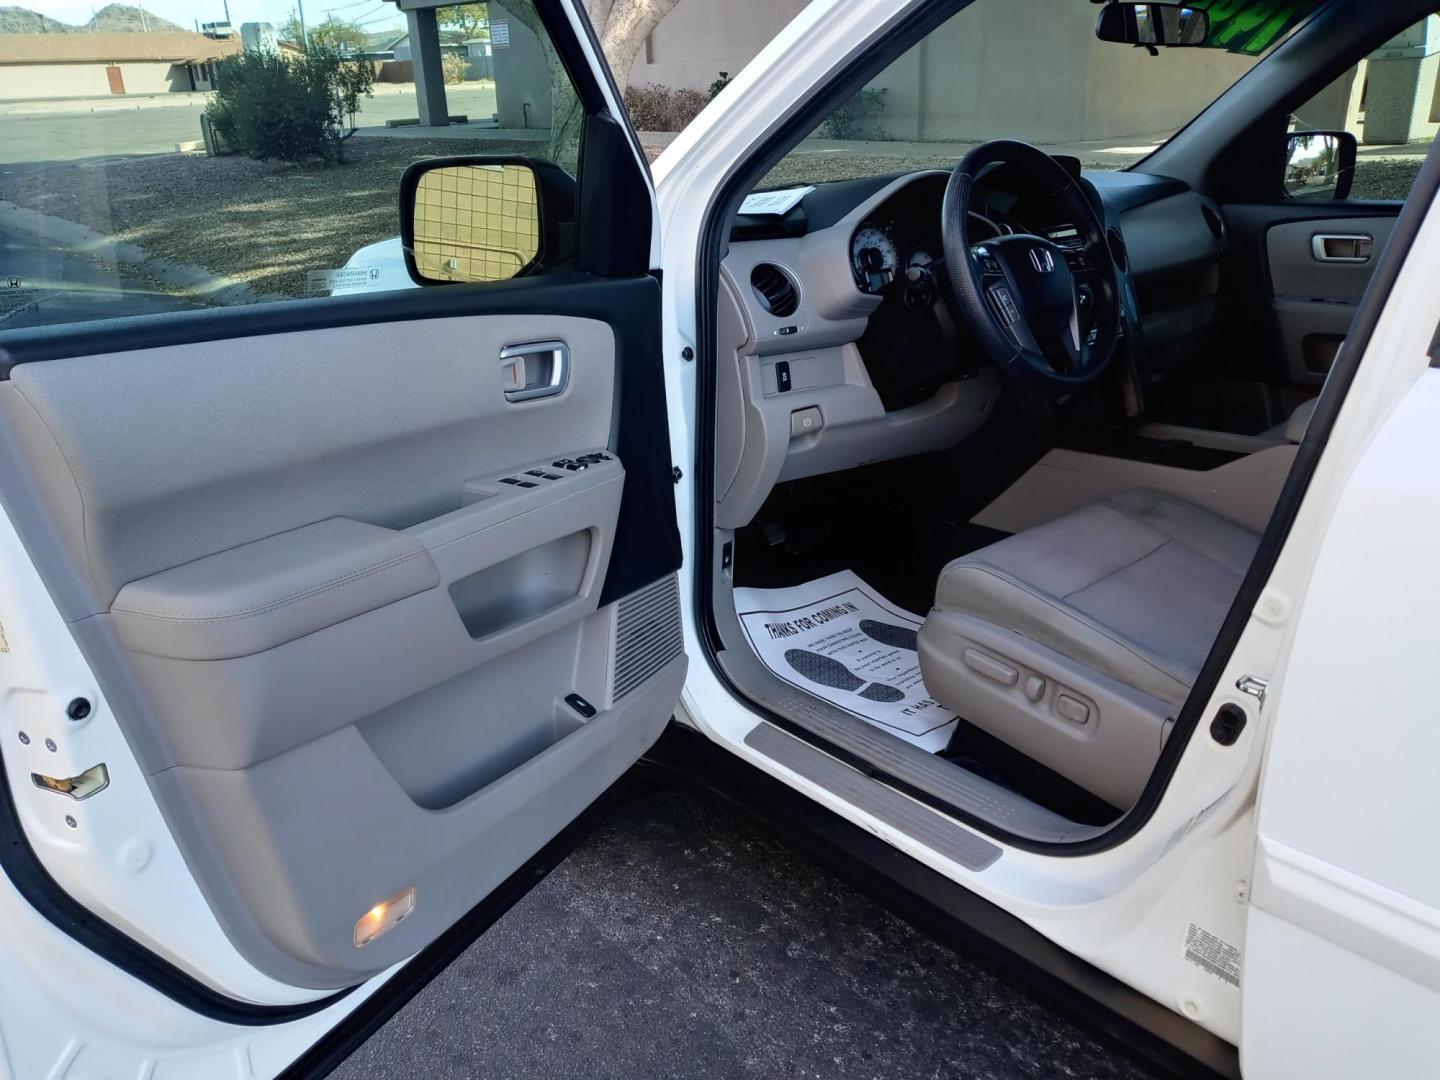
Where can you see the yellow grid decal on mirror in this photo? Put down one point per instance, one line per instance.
(476, 222)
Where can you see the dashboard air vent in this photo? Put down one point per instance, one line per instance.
(1213, 221)
(774, 289)
(1118, 252)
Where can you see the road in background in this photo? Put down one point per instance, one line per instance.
(681, 941)
(68, 130)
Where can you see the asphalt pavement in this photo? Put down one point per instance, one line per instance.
(682, 941)
(71, 130)
(40, 285)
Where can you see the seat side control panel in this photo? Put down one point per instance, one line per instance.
(540, 474)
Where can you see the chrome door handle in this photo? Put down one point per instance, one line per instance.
(536, 369)
(1342, 247)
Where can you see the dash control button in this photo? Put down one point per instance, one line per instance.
(782, 376)
(805, 421)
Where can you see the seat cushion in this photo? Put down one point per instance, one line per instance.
(1134, 586)
(1293, 429)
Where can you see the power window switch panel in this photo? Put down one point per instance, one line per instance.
(806, 421)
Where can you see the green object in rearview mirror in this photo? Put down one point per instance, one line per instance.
(1153, 25)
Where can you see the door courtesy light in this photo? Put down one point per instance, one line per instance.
(383, 917)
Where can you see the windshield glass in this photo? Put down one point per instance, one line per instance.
(1034, 71)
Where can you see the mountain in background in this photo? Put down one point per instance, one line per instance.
(122, 18)
(112, 18)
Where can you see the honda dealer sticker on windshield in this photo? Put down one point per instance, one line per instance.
(1213, 953)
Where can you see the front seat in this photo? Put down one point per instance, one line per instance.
(1077, 641)
(1293, 428)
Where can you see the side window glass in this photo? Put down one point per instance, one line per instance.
(1389, 103)
(170, 171)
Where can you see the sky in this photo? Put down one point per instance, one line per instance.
(373, 14)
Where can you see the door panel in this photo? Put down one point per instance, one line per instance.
(337, 590)
(1316, 286)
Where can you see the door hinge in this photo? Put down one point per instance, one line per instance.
(1254, 686)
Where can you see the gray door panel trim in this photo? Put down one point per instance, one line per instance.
(224, 443)
(292, 895)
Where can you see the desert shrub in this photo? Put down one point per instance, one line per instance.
(455, 66)
(270, 106)
(857, 118)
(685, 105)
(659, 108)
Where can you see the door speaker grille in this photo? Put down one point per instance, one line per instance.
(647, 634)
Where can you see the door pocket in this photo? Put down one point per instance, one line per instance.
(524, 586)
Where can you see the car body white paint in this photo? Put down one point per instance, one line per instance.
(1311, 962)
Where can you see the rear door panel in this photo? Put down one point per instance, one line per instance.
(332, 605)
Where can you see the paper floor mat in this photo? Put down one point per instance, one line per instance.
(840, 640)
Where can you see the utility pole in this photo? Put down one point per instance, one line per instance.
(304, 34)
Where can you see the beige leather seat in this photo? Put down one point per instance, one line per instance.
(1077, 641)
(1293, 429)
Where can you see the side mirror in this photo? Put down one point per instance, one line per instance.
(468, 219)
(1152, 25)
(1319, 165)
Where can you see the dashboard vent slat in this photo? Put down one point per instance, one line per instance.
(775, 290)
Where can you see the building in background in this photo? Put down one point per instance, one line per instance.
(37, 66)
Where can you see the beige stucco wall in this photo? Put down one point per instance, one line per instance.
(1036, 71)
(702, 38)
(21, 82)
(1026, 68)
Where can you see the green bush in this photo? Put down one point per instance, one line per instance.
(858, 118)
(719, 84)
(267, 105)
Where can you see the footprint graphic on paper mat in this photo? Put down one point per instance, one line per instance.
(832, 673)
(897, 637)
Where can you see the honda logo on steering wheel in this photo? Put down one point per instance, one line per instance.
(1042, 260)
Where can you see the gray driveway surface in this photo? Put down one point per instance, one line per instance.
(72, 130)
(40, 285)
(681, 941)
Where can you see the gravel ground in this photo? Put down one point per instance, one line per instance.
(264, 223)
(680, 941)
(1385, 177)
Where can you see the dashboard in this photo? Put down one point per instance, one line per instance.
(842, 347)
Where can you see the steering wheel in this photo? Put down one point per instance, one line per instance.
(1040, 312)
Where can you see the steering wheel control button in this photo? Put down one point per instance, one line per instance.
(782, 376)
(806, 421)
(1072, 709)
(1008, 311)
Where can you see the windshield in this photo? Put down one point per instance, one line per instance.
(1034, 71)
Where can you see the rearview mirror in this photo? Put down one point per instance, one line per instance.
(1319, 165)
(1152, 25)
(481, 218)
